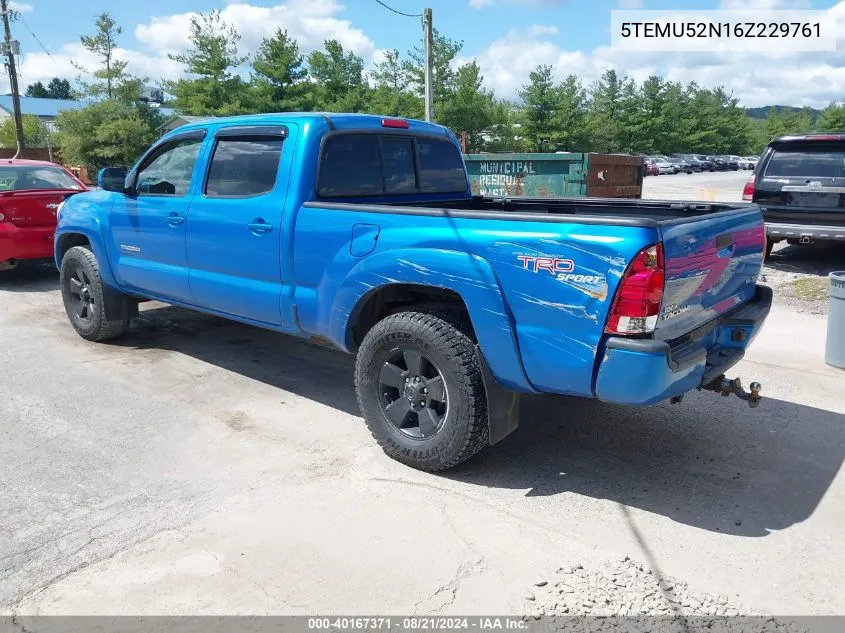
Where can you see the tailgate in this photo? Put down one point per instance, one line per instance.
(803, 177)
(32, 208)
(712, 264)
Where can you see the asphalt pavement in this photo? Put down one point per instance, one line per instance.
(201, 466)
(720, 186)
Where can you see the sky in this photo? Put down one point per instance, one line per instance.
(508, 38)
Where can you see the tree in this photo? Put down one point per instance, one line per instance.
(540, 99)
(279, 76)
(832, 118)
(340, 78)
(59, 89)
(443, 53)
(108, 133)
(102, 44)
(392, 94)
(605, 114)
(505, 134)
(37, 90)
(34, 131)
(570, 116)
(471, 108)
(214, 89)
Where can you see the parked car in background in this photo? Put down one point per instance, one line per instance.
(363, 232)
(650, 168)
(799, 183)
(663, 165)
(705, 162)
(719, 164)
(693, 162)
(681, 164)
(751, 161)
(30, 193)
(730, 163)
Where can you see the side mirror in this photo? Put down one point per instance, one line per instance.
(112, 179)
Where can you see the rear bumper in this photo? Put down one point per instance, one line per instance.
(25, 243)
(797, 231)
(646, 371)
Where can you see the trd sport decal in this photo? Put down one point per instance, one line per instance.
(552, 265)
(557, 267)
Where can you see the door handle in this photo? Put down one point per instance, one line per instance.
(259, 226)
(175, 220)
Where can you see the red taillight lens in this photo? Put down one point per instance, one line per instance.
(395, 123)
(640, 294)
(748, 190)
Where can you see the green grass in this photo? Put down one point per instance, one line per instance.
(807, 288)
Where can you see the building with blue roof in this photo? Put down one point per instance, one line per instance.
(47, 109)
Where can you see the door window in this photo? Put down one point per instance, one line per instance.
(169, 172)
(241, 168)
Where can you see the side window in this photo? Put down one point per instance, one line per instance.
(169, 172)
(441, 167)
(243, 167)
(398, 159)
(351, 166)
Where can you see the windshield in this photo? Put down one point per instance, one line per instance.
(23, 177)
(806, 161)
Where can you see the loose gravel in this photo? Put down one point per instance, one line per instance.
(798, 275)
(625, 595)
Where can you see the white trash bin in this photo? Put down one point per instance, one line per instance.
(834, 353)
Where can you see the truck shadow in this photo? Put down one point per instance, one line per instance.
(709, 462)
(809, 260)
(30, 277)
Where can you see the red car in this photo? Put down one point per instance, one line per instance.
(30, 193)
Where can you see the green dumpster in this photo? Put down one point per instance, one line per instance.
(563, 175)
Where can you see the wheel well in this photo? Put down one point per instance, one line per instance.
(400, 298)
(69, 240)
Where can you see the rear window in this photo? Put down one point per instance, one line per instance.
(378, 164)
(243, 167)
(23, 177)
(806, 161)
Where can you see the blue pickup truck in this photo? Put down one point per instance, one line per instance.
(363, 231)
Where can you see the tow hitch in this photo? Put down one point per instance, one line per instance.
(726, 387)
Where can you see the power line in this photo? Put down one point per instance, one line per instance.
(44, 48)
(407, 15)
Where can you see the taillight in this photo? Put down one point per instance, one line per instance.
(748, 190)
(640, 294)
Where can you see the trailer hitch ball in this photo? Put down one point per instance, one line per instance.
(726, 387)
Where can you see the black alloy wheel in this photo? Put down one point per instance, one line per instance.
(412, 393)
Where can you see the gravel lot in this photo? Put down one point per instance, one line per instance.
(200, 466)
(797, 273)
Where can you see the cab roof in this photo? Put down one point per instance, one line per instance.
(333, 120)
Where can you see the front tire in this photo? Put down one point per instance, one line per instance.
(421, 390)
(83, 297)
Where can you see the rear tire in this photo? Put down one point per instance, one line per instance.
(83, 297)
(433, 423)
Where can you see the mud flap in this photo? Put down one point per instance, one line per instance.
(502, 405)
(118, 306)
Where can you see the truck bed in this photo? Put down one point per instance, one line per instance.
(624, 212)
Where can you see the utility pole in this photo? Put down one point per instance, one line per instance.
(428, 45)
(10, 47)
